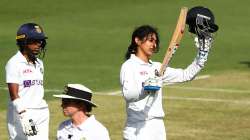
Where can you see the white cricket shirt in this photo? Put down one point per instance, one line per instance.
(90, 129)
(132, 76)
(29, 77)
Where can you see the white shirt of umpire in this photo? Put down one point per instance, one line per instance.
(29, 78)
(91, 129)
(134, 72)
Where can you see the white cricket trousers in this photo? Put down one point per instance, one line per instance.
(153, 129)
(41, 119)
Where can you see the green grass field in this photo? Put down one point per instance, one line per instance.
(87, 42)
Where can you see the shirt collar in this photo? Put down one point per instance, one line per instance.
(138, 60)
(87, 123)
(20, 57)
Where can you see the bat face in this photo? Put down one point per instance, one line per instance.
(173, 45)
(182, 31)
(175, 40)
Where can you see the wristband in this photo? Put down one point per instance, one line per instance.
(18, 105)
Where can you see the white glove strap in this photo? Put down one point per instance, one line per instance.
(18, 104)
(203, 45)
(201, 58)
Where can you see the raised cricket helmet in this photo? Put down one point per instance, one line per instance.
(201, 18)
(30, 32)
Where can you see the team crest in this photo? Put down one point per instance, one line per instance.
(38, 29)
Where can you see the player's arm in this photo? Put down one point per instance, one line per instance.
(29, 129)
(17, 102)
(12, 79)
(174, 75)
(131, 87)
(181, 75)
(13, 91)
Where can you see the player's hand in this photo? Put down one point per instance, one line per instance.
(29, 128)
(28, 125)
(203, 44)
(152, 84)
(203, 47)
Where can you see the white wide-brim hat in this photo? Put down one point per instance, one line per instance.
(78, 92)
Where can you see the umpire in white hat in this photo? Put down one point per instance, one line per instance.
(77, 105)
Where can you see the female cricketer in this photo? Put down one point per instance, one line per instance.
(28, 114)
(139, 80)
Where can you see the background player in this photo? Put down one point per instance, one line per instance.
(77, 104)
(28, 114)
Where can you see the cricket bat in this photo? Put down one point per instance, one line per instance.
(173, 46)
(175, 40)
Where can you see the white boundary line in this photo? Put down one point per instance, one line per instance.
(118, 93)
(209, 100)
(171, 87)
(210, 89)
(202, 77)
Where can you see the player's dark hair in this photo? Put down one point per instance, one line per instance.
(86, 105)
(141, 32)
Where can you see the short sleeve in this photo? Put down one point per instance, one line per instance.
(12, 73)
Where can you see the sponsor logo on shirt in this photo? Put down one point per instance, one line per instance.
(26, 71)
(29, 83)
(143, 73)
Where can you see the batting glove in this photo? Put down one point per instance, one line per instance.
(152, 84)
(203, 47)
(203, 44)
(29, 127)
